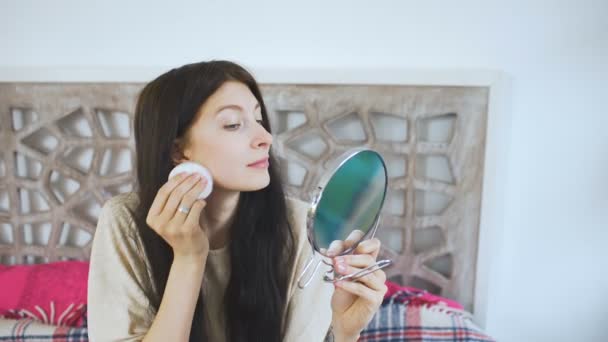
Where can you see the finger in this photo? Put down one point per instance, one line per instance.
(360, 290)
(188, 201)
(374, 280)
(371, 247)
(163, 193)
(192, 195)
(355, 260)
(353, 238)
(176, 196)
(335, 248)
(195, 213)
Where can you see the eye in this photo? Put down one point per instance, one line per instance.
(232, 127)
(261, 122)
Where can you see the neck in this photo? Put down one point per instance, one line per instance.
(217, 216)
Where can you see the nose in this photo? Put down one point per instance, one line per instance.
(262, 139)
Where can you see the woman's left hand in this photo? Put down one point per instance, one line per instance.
(355, 302)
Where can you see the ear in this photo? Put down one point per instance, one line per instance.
(177, 152)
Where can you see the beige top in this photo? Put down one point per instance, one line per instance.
(118, 307)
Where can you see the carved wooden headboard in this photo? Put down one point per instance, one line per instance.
(68, 147)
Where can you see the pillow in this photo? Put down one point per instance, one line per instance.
(400, 293)
(53, 293)
(29, 330)
(396, 321)
(410, 314)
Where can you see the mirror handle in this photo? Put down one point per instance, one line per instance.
(311, 274)
(362, 273)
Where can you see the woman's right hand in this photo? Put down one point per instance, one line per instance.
(180, 230)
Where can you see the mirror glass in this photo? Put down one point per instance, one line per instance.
(351, 199)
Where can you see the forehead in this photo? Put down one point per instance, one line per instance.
(230, 93)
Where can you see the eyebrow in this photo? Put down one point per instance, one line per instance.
(233, 106)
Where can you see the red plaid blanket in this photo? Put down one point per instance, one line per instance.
(421, 317)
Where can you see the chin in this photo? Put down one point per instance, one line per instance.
(253, 184)
(259, 186)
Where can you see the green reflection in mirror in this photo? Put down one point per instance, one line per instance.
(352, 199)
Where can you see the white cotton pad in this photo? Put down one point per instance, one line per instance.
(192, 167)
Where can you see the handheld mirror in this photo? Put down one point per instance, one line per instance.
(346, 206)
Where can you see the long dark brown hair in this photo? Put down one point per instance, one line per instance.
(261, 240)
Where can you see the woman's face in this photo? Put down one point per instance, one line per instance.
(228, 138)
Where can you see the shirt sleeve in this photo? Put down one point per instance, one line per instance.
(118, 307)
(309, 309)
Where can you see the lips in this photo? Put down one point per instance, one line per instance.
(260, 163)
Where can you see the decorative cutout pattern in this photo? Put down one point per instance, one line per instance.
(62, 149)
(67, 148)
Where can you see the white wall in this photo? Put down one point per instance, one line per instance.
(549, 275)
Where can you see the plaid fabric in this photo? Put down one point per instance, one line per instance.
(405, 316)
(28, 330)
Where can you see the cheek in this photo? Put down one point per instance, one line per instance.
(221, 157)
(218, 156)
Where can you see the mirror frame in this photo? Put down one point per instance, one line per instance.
(318, 195)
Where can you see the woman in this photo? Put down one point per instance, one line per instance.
(224, 268)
